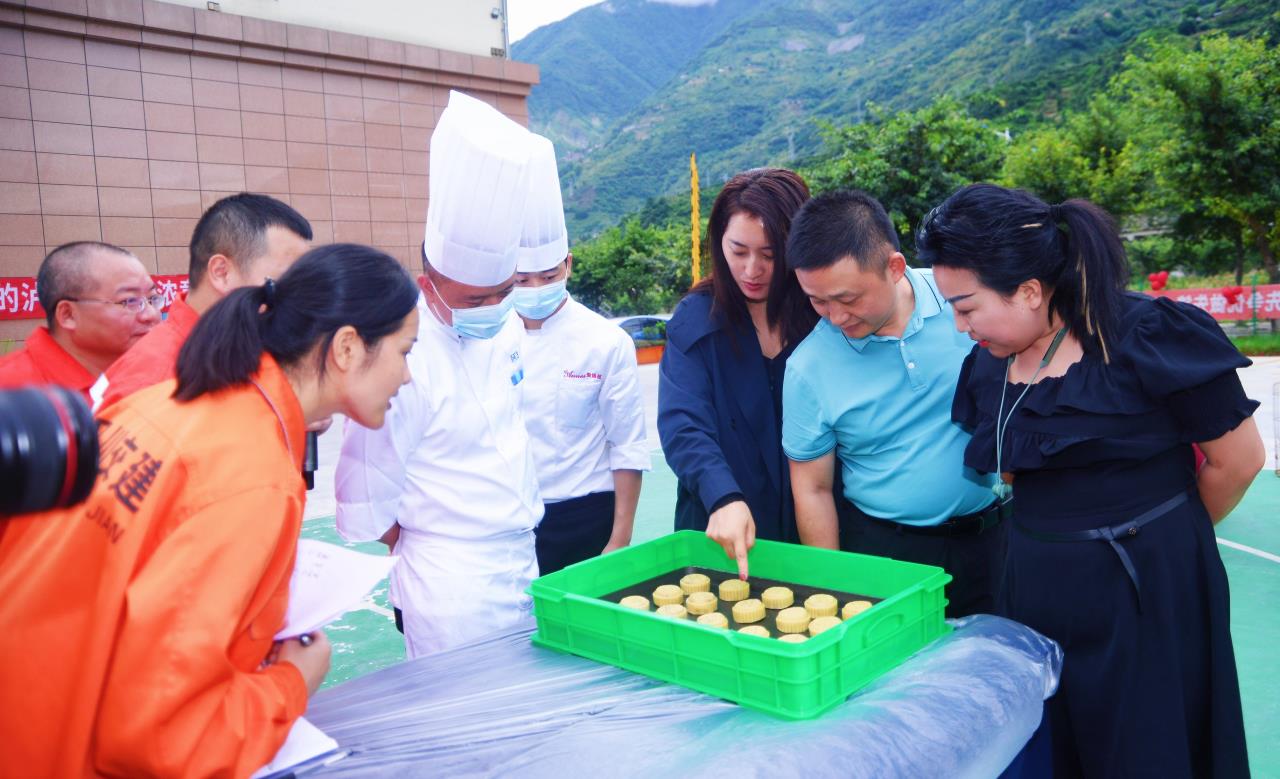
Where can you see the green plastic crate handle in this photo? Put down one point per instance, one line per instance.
(887, 623)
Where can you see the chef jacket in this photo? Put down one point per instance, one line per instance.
(581, 403)
(452, 467)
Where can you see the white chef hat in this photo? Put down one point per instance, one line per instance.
(544, 242)
(478, 187)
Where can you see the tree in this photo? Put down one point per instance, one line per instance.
(911, 161)
(1090, 156)
(1050, 163)
(633, 268)
(1209, 135)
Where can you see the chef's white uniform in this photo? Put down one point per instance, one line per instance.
(452, 466)
(581, 403)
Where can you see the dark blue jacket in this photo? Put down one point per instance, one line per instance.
(717, 423)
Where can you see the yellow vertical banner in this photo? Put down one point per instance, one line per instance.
(696, 218)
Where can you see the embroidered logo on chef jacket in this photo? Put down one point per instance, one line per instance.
(578, 400)
(517, 375)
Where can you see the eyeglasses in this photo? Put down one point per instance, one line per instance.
(132, 305)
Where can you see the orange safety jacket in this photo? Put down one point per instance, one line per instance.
(133, 628)
(42, 360)
(154, 358)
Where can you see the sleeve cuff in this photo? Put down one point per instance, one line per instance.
(1213, 409)
(292, 686)
(714, 488)
(365, 521)
(804, 457)
(634, 457)
(726, 500)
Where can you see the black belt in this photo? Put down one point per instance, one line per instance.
(1112, 533)
(964, 525)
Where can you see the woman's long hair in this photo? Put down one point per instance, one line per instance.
(1009, 236)
(773, 195)
(326, 289)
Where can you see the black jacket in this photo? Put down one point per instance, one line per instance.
(717, 423)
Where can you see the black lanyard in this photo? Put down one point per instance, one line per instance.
(1002, 421)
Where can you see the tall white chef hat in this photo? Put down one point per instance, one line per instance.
(478, 187)
(544, 242)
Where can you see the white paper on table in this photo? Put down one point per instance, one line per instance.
(304, 742)
(328, 581)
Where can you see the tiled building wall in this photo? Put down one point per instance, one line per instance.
(121, 120)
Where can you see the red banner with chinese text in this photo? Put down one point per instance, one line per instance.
(1264, 299)
(18, 295)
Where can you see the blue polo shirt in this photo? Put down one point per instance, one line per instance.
(884, 404)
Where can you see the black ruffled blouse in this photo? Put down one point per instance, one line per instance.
(1107, 438)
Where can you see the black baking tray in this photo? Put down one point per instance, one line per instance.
(758, 586)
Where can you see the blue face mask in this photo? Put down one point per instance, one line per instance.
(482, 322)
(539, 302)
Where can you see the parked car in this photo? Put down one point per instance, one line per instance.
(648, 332)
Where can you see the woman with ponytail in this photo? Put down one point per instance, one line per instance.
(137, 631)
(1088, 399)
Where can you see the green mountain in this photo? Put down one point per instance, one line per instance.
(631, 87)
(597, 64)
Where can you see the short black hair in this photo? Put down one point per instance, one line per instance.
(236, 227)
(65, 273)
(327, 288)
(836, 225)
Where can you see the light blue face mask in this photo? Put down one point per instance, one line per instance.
(482, 322)
(539, 302)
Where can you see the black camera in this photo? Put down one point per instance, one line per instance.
(48, 449)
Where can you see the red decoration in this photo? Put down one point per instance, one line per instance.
(1231, 303)
(18, 295)
(1158, 280)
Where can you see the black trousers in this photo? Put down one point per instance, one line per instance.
(573, 530)
(976, 562)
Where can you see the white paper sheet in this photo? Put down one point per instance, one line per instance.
(328, 581)
(305, 741)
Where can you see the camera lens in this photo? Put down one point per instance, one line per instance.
(48, 449)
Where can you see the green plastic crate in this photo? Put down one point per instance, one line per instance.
(795, 681)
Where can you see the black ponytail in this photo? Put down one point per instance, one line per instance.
(225, 346)
(326, 289)
(1008, 236)
(1095, 275)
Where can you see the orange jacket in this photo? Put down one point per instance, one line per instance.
(154, 358)
(42, 361)
(133, 627)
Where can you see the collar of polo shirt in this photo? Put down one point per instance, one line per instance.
(927, 304)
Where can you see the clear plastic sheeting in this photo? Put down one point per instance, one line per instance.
(961, 707)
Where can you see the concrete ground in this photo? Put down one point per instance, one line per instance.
(365, 640)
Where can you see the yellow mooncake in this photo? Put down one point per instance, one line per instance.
(668, 594)
(777, 597)
(855, 607)
(749, 610)
(695, 582)
(635, 602)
